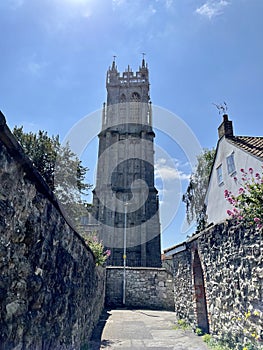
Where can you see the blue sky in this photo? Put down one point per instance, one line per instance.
(55, 53)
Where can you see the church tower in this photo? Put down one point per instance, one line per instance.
(125, 200)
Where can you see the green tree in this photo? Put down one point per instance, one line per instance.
(194, 197)
(41, 149)
(61, 169)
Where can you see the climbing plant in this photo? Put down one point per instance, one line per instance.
(247, 205)
(97, 247)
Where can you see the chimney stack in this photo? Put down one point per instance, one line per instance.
(226, 128)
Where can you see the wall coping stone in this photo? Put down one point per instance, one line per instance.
(197, 235)
(139, 268)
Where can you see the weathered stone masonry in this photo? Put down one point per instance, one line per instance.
(218, 278)
(146, 288)
(51, 292)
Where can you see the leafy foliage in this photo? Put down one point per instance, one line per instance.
(251, 332)
(248, 204)
(97, 247)
(42, 150)
(194, 197)
(60, 167)
(182, 324)
(214, 344)
(199, 331)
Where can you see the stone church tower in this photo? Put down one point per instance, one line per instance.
(126, 204)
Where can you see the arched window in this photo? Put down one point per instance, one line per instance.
(135, 108)
(122, 108)
(123, 98)
(135, 97)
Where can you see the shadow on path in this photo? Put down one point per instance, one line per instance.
(96, 342)
(133, 329)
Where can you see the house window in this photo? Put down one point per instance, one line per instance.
(219, 175)
(84, 220)
(230, 164)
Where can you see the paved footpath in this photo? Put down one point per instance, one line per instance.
(142, 329)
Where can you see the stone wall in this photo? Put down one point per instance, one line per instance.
(146, 288)
(51, 292)
(218, 281)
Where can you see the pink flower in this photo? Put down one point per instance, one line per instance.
(226, 193)
(242, 170)
(108, 252)
(235, 178)
(257, 220)
(229, 212)
(257, 176)
(230, 200)
(250, 170)
(241, 190)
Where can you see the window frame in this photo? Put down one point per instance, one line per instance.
(230, 163)
(219, 174)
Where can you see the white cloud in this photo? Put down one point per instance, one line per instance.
(212, 8)
(169, 171)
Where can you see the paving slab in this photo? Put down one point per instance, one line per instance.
(142, 329)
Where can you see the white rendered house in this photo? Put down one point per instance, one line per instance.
(233, 153)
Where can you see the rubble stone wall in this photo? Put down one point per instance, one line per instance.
(230, 258)
(146, 287)
(51, 292)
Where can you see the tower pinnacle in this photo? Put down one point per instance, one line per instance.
(113, 62)
(143, 60)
